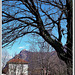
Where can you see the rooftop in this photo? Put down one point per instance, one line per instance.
(18, 61)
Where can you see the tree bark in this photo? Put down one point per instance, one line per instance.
(69, 61)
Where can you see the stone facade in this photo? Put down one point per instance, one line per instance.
(16, 67)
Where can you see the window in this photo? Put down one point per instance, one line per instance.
(22, 74)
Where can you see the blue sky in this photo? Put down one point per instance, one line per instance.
(20, 44)
(26, 41)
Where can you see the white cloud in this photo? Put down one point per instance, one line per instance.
(21, 47)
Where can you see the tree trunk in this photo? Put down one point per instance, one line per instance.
(69, 68)
(69, 61)
(46, 72)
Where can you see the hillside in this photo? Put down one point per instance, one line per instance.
(43, 60)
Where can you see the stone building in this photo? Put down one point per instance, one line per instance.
(16, 67)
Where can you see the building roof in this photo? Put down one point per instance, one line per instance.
(13, 61)
(17, 61)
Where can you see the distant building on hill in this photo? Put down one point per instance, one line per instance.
(16, 67)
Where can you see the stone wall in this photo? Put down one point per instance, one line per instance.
(18, 69)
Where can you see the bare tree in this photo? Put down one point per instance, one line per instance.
(38, 16)
(5, 58)
(45, 61)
